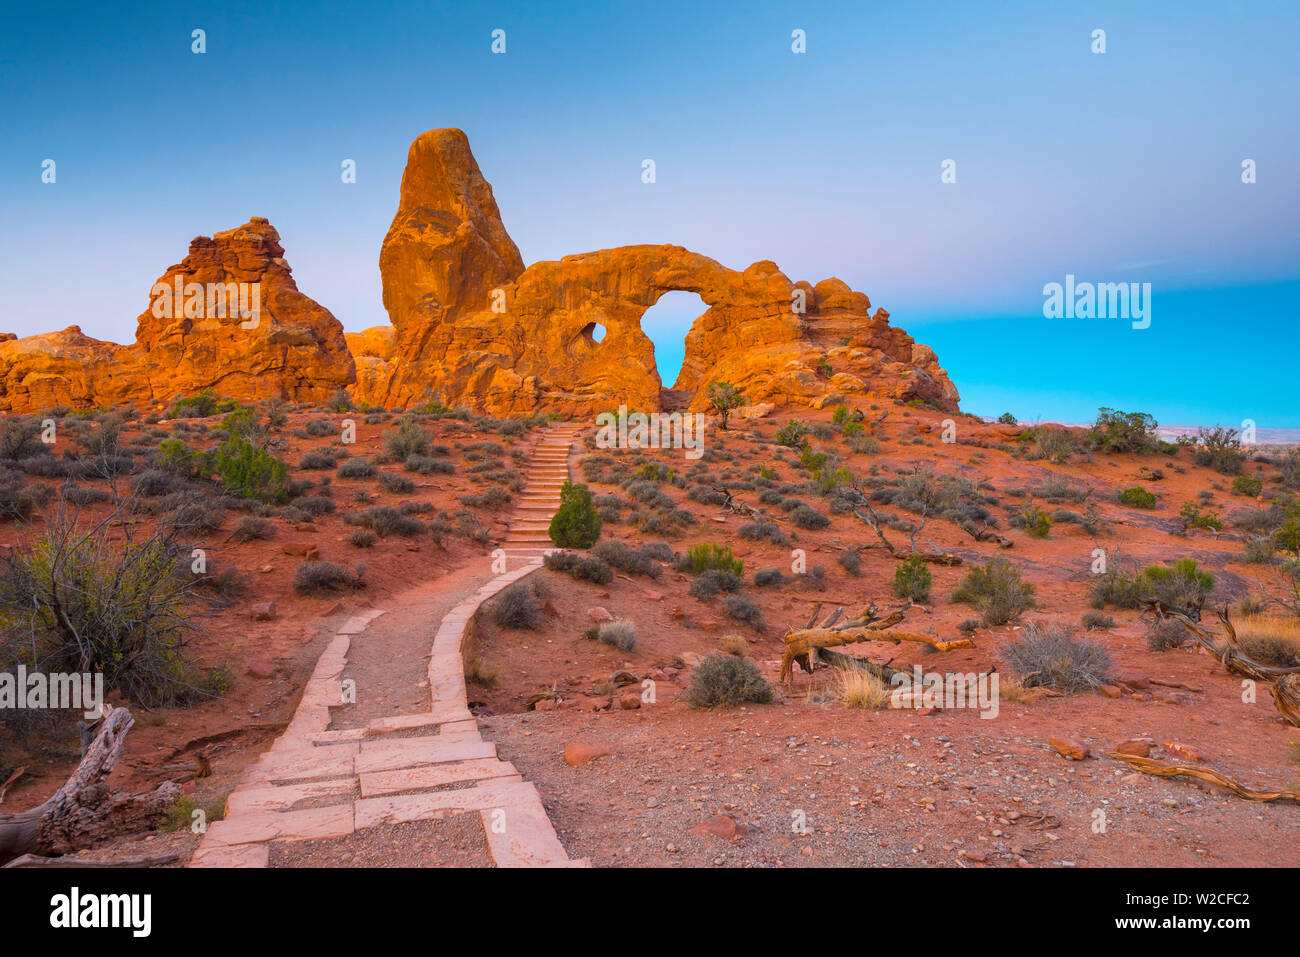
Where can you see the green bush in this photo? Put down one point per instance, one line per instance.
(407, 439)
(1248, 485)
(723, 399)
(1037, 522)
(728, 681)
(1123, 432)
(912, 579)
(1219, 449)
(1137, 497)
(195, 407)
(997, 591)
(247, 471)
(175, 456)
(707, 555)
(80, 600)
(792, 434)
(1195, 518)
(576, 523)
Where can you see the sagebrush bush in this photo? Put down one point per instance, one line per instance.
(726, 680)
(406, 439)
(516, 607)
(763, 531)
(742, 609)
(1095, 621)
(427, 465)
(625, 558)
(768, 576)
(997, 591)
(252, 527)
(711, 581)
(398, 484)
(850, 560)
(362, 538)
(313, 578)
(356, 468)
(1049, 656)
(617, 634)
(317, 461)
(586, 568)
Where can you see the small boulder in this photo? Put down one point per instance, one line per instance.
(1069, 748)
(576, 754)
(263, 611)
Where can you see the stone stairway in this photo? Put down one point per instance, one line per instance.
(316, 783)
(548, 468)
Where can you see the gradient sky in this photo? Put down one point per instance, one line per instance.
(1116, 167)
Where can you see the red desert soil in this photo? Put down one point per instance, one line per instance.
(803, 781)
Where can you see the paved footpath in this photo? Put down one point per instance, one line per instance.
(317, 783)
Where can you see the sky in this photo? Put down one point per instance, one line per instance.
(1123, 166)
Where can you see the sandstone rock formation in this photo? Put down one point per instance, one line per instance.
(293, 348)
(472, 326)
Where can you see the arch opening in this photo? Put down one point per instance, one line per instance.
(666, 324)
(593, 332)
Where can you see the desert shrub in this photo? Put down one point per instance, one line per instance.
(619, 634)
(581, 567)
(624, 557)
(763, 531)
(80, 601)
(154, 482)
(997, 591)
(1037, 523)
(250, 528)
(175, 456)
(912, 579)
(1165, 634)
(1181, 585)
(384, 520)
(196, 517)
(1196, 518)
(1006, 418)
(247, 471)
(724, 398)
(1123, 432)
(86, 495)
(770, 496)
(406, 439)
(768, 576)
(493, 497)
(1248, 485)
(726, 680)
(313, 578)
(809, 518)
(315, 506)
(1137, 497)
(401, 485)
(850, 560)
(1259, 550)
(576, 523)
(742, 609)
(1287, 537)
(1219, 449)
(516, 607)
(712, 581)
(1270, 640)
(1096, 621)
(1052, 442)
(362, 538)
(320, 427)
(317, 461)
(1049, 656)
(792, 434)
(356, 469)
(864, 444)
(198, 406)
(708, 555)
(427, 465)
(705, 495)
(17, 500)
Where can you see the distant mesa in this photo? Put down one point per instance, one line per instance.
(470, 325)
(291, 347)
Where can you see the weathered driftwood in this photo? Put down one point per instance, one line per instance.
(83, 812)
(731, 505)
(1167, 769)
(873, 520)
(800, 645)
(1285, 682)
(983, 533)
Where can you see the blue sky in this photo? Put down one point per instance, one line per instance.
(1116, 167)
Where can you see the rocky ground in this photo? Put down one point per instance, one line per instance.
(806, 779)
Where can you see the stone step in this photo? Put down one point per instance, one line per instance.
(434, 775)
(408, 752)
(425, 805)
(521, 835)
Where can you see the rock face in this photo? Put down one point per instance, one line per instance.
(472, 326)
(288, 346)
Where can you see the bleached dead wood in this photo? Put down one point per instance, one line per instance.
(84, 812)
